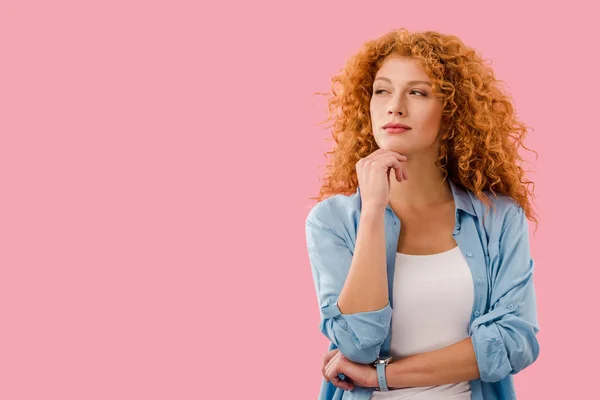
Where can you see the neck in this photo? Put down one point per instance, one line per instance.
(423, 188)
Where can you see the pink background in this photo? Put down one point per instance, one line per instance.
(156, 164)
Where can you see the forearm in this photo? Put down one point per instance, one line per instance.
(366, 286)
(451, 364)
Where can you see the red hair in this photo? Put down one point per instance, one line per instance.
(480, 137)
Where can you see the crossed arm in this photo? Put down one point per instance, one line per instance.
(501, 341)
(451, 364)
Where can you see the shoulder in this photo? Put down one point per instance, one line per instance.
(334, 211)
(503, 213)
(505, 207)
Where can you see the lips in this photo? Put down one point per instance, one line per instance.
(395, 130)
(396, 126)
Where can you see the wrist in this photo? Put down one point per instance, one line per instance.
(381, 365)
(372, 212)
(372, 380)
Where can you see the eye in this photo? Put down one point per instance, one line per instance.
(412, 91)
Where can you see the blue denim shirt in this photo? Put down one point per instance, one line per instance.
(503, 325)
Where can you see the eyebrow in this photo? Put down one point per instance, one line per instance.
(408, 83)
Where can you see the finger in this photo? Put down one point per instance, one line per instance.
(331, 367)
(340, 380)
(369, 157)
(342, 384)
(379, 154)
(328, 374)
(405, 173)
(329, 355)
(387, 153)
(398, 169)
(326, 358)
(387, 163)
(328, 368)
(346, 385)
(399, 174)
(334, 374)
(399, 156)
(375, 153)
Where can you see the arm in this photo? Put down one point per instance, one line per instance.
(452, 364)
(504, 339)
(352, 290)
(366, 287)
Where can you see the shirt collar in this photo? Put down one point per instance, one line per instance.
(462, 200)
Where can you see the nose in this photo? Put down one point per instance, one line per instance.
(396, 106)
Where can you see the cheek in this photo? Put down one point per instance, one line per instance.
(377, 106)
(374, 114)
(434, 119)
(372, 109)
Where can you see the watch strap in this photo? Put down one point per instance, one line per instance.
(381, 377)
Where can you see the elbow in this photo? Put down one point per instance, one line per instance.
(523, 347)
(361, 356)
(358, 345)
(500, 354)
(525, 355)
(501, 365)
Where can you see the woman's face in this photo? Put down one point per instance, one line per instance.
(402, 93)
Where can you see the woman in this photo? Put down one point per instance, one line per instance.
(419, 241)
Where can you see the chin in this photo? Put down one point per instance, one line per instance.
(386, 145)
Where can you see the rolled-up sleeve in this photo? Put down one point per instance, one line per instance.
(358, 336)
(505, 338)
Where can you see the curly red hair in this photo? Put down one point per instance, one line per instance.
(481, 134)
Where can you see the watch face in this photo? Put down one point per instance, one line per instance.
(383, 360)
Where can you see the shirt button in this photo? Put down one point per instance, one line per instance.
(479, 281)
(455, 233)
(510, 306)
(394, 222)
(477, 313)
(469, 254)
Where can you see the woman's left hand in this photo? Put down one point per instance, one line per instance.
(335, 363)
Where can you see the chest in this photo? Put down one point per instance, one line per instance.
(426, 233)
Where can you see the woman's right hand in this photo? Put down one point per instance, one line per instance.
(374, 179)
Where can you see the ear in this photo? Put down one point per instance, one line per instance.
(441, 133)
(444, 127)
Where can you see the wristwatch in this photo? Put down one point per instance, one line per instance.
(380, 364)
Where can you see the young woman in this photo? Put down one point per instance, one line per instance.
(419, 241)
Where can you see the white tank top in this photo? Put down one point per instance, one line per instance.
(433, 301)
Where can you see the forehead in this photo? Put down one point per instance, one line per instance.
(399, 68)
